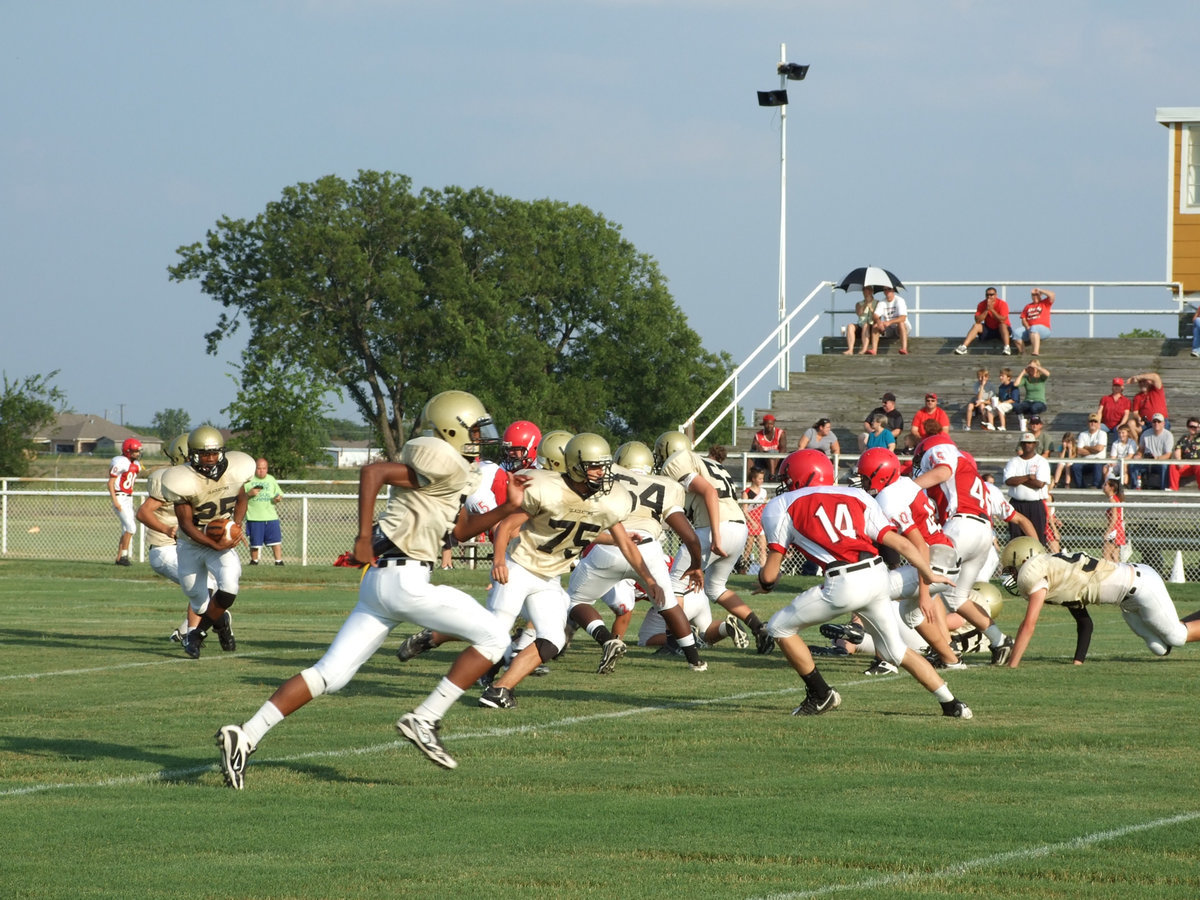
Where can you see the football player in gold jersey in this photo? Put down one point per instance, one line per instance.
(560, 516)
(425, 491)
(1077, 581)
(210, 486)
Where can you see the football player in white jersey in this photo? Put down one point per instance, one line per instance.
(425, 490)
(122, 473)
(560, 516)
(720, 523)
(658, 501)
(211, 486)
(158, 517)
(1077, 581)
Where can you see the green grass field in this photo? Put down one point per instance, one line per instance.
(1073, 782)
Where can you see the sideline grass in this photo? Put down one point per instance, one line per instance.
(652, 782)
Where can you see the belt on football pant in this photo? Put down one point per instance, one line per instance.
(395, 560)
(844, 568)
(970, 516)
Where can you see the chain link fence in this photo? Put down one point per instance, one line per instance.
(56, 519)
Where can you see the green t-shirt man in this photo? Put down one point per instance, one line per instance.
(262, 516)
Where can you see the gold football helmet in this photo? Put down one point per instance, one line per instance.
(459, 419)
(205, 441)
(177, 450)
(635, 456)
(1015, 554)
(668, 443)
(990, 600)
(589, 451)
(552, 451)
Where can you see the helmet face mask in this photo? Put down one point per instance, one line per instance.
(518, 449)
(668, 444)
(635, 456)
(131, 448)
(806, 468)
(206, 452)
(589, 462)
(459, 419)
(1015, 554)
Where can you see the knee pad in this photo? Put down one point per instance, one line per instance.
(547, 650)
(223, 599)
(312, 678)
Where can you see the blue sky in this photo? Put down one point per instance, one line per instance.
(943, 140)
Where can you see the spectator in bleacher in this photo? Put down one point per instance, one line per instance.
(1038, 429)
(1114, 407)
(864, 309)
(930, 412)
(1158, 443)
(1090, 446)
(1196, 333)
(1032, 382)
(1064, 471)
(991, 323)
(982, 399)
(1150, 399)
(769, 440)
(891, 320)
(1007, 396)
(1035, 321)
(1187, 448)
(820, 437)
(887, 406)
(880, 435)
(1028, 478)
(1122, 449)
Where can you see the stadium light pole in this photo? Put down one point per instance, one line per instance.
(787, 72)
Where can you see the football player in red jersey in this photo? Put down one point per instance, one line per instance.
(841, 530)
(951, 479)
(122, 473)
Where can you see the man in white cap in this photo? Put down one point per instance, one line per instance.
(1028, 478)
(1156, 443)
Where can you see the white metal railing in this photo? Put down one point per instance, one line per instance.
(920, 292)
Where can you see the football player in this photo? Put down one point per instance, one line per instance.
(425, 490)
(951, 479)
(122, 473)
(1077, 581)
(211, 486)
(841, 530)
(720, 523)
(158, 517)
(657, 501)
(560, 516)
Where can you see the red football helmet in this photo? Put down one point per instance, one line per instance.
(878, 468)
(518, 448)
(131, 446)
(806, 468)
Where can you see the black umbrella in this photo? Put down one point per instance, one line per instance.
(872, 277)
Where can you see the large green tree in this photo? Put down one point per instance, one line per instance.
(169, 423)
(541, 309)
(26, 405)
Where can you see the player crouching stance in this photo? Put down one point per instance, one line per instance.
(1077, 581)
(425, 490)
(840, 529)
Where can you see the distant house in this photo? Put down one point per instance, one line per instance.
(1183, 196)
(87, 434)
(352, 454)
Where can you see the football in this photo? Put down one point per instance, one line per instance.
(219, 529)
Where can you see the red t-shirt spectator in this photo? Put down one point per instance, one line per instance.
(1114, 406)
(997, 315)
(1037, 312)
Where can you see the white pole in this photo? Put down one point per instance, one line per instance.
(785, 357)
